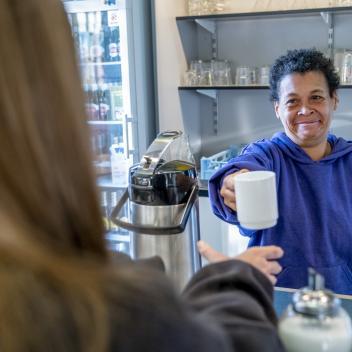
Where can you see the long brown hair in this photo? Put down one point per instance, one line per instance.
(46, 178)
(55, 302)
(49, 301)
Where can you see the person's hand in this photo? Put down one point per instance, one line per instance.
(262, 258)
(228, 189)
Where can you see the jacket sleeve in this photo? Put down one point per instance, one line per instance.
(239, 298)
(253, 157)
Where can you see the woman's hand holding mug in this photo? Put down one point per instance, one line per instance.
(228, 189)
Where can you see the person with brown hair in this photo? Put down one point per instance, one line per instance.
(59, 289)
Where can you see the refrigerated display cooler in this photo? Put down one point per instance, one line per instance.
(113, 45)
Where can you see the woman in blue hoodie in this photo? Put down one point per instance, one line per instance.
(313, 174)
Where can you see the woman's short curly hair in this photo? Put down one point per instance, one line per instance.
(302, 61)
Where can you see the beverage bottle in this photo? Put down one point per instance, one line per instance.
(105, 105)
(97, 38)
(114, 50)
(88, 95)
(114, 200)
(107, 32)
(93, 103)
(83, 36)
(75, 30)
(105, 210)
(119, 165)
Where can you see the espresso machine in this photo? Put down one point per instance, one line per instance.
(162, 207)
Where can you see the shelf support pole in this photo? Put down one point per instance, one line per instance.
(213, 94)
(329, 20)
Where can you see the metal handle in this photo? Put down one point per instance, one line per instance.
(127, 138)
(153, 230)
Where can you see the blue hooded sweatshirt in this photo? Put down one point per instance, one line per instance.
(315, 208)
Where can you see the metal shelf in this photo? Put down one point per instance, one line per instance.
(221, 87)
(263, 14)
(215, 88)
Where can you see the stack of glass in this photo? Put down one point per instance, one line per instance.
(208, 73)
(246, 76)
(205, 7)
(343, 65)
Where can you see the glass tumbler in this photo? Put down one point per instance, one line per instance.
(264, 73)
(194, 7)
(217, 6)
(202, 72)
(221, 73)
(346, 71)
(242, 76)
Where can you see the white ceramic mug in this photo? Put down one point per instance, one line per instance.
(256, 199)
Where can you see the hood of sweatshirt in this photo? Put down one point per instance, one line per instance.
(339, 148)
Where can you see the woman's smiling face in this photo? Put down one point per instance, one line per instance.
(305, 107)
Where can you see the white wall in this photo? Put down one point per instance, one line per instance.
(170, 62)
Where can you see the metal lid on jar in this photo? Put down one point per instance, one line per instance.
(315, 300)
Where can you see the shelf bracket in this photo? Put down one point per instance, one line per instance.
(210, 93)
(211, 27)
(208, 25)
(213, 94)
(329, 20)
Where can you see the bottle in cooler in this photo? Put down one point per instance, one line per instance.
(83, 36)
(114, 199)
(75, 30)
(105, 210)
(119, 165)
(116, 98)
(107, 32)
(91, 34)
(89, 99)
(104, 103)
(97, 37)
(93, 104)
(114, 49)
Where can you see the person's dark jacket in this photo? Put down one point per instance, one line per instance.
(226, 306)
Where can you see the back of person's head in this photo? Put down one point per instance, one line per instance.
(46, 179)
(302, 61)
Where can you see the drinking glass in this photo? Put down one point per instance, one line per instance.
(189, 78)
(199, 7)
(194, 7)
(217, 6)
(202, 73)
(221, 72)
(264, 73)
(339, 55)
(346, 71)
(253, 76)
(343, 2)
(205, 77)
(242, 76)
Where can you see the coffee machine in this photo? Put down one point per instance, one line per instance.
(162, 206)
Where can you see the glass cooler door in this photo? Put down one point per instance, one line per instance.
(100, 33)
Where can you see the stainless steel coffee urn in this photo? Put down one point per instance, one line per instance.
(162, 206)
